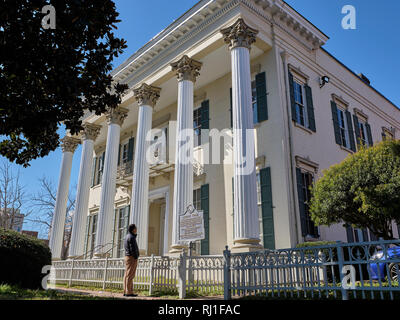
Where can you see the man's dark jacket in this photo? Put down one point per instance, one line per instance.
(131, 247)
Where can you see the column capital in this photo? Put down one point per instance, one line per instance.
(147, 95)
(90, 131)
(239, 35)
(186, 68)
(69, 144)
(116, 115)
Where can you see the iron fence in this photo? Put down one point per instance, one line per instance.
(367, 270)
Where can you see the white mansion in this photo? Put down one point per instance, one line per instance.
(253, 69)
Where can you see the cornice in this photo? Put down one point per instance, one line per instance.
(202, 15)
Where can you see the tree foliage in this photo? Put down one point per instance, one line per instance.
(53, 76)
(363, 190)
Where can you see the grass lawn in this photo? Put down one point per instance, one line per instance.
(8, 292)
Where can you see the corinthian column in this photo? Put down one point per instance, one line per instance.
(115, 118)
(89, 135)
(146, 97)
(239, 37)
(68, 145)
(187, 70)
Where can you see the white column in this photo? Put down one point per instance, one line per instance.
(115, 118)
(147, 97)
(187, 70)
(89, 135)
(68, 145)
(246, 231)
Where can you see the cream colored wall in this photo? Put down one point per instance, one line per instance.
(273, 140)
(320, 147)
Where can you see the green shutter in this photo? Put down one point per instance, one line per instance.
(261, 91)
(369, 134)
(267, 208)
(205, 243)
(349, 233)
(302, 206)
(205, 114)
(94, 172)
(231, 110)
(130, 149)
(335, 120)
(351, 132)
(310, 108)
(357, 129)
(292, 100)
(119, 154)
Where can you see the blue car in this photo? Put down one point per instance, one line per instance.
(379, 270)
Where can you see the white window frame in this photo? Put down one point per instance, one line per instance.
(197, 137)
(301, 84)
(341, 113)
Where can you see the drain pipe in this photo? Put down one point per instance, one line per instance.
(292, 179)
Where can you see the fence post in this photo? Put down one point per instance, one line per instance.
(182, 276)
(105, 273)
(151, 274)
(70, 274)
(227, 274)
(340, 262)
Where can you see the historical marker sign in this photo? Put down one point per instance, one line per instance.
(191, 225)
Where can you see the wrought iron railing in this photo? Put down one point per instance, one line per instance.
(367, 270)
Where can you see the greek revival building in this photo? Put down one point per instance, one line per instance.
(235, 108)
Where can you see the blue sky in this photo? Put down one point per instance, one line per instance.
(371, 49)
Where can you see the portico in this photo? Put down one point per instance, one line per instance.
(229, 66)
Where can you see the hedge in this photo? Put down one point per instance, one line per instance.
(22, 259)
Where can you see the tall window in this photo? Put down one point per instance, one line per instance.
(254, 101)
(91, 237)
(363, 133)
(197, 198)
(343, 128)
(125, 148)
(301, 110)
(197, 127)
(307, 181)
(121, 229)
(100, 167)
(197, 205)
(260, 218)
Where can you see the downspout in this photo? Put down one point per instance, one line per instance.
(292, 178)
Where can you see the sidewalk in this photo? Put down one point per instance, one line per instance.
(115, 295)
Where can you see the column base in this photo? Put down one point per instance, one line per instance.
(246, 245)
(56, 259)
(177, 249)
(101, 255)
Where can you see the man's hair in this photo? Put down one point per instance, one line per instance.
(131, 227)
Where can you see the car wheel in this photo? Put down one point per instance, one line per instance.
(394, 270)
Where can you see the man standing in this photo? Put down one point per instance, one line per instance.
(131, 260)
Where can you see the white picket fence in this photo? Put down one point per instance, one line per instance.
(200, 274)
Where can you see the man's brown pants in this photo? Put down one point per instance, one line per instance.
(130, 271)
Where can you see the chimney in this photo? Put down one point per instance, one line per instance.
(364, 79)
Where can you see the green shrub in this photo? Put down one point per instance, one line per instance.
(22, 259)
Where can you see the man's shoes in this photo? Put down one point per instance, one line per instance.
(130, 295)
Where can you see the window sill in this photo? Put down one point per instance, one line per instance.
(303, 128)
(346, 149)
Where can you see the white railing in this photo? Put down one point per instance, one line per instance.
(203, 274)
